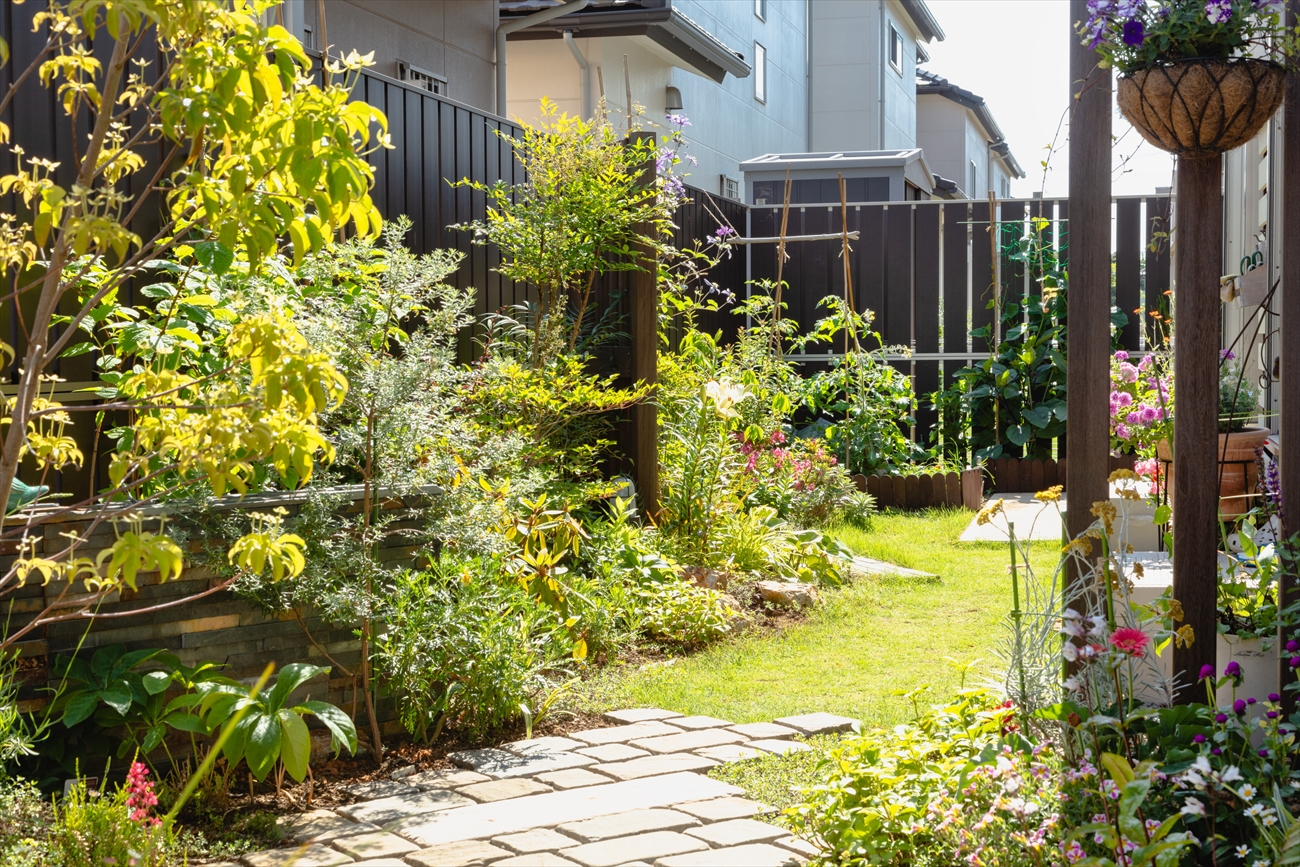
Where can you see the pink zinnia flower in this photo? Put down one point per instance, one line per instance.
(1129, 640)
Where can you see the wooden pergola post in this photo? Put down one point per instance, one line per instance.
(1088, 298)
(643, 324)
(1289, 381)
(1198, 264)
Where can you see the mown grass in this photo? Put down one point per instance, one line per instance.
(867, 641)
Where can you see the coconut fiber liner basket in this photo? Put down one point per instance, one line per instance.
(1201, 107)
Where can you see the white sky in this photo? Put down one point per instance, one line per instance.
(1015, 54)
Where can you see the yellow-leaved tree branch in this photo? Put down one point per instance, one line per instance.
(255, 158)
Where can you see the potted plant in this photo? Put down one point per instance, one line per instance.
(1196, 78)
(1247, 604)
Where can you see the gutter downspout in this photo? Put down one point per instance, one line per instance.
(884, 55)
(520, 24)
(808, 73)
(586, 73)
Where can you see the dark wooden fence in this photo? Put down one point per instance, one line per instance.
(927, 272)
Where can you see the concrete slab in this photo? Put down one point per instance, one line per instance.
(375, 844)
(738, 832)
(647, 847)
(467, 853)
(535, 841)
(819, 723)
(639, 714)
(653, 766)
(753, 855)
(623, 734)
(503, 790)
(722, 809)
(686, 741)
(627, 824)
(865, 567)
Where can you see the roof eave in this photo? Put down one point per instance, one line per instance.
(923, 19)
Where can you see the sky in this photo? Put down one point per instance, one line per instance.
(1015, 54)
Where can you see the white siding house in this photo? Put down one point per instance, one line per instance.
(961, 140)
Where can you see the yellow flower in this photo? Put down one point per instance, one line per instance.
(1080, 546)
(1175, 610)
(1051, 495)
(1184, 636)
(986, 514)
(1124, 475)
(1105, 510)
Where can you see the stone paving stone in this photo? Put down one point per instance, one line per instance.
(501, 765)
(754, 855)
(375, 789)
(538, 840)
(780, 747)
(537, 859)
(613, 753)
(501, 790)
(221, 864)
(818, 723)
(738, 832)
(446, 778)
(639, 714)
(730, 753)
(626, 824)
(648, 847)
(623, 734)
(403, 773)
(375, 844)
(312, 855)
(699, 722)
(573, 778)
(319, 826)
(722, 809)
(802, 847)
(485, 821)
(685, 741)
(653, 766)
(377, 862)
(542, 745)
(387, 810)
(770, 731)
(463, 853)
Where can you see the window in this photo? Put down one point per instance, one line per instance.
(760, 9)
(422, 78)
(760, 72)
(729, 188)
(895, 49)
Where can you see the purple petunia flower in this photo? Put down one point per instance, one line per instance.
(1134, 33)
(1218, 11)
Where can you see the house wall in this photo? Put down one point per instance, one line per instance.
(941, 127)
(451, 38)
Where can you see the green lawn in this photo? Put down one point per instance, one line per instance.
(866, 641)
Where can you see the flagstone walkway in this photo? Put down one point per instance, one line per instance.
(632, 794)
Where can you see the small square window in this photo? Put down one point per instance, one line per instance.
(760, 72)
(895, 49)
(729, 187)
(422, 78)
(760, 9)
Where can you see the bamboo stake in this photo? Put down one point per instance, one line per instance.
(995, 335)
(845, 249)
(781, 257)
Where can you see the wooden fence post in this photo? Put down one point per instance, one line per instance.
(643, 325)
(1198, 262)
(1289, 382)
(1088, 298)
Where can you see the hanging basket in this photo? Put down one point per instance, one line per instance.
(1201, 107)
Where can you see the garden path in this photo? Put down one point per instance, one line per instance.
(635, 793)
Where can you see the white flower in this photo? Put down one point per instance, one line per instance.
(1070, 651)
(1242, 852)
(1193, 807)
(724, 396)
(1262, 862)
(1254, 810)
(1073, 684)
(1247, 793)
(1231, 775)
(1269, 821)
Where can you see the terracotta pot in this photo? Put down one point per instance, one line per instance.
(1237, 471)
(1201, 107)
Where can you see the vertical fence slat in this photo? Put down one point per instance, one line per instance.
(1157, 259)
(871, 256)
(1128, 269)
(897, 324)
(981, 270)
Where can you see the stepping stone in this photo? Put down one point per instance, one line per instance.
(381, 862)
(375, 789)
(722, 809)
(613, 753)
(685, 741)
(374, 844)
(730, 753)
(770, 731)
(780, 748)
(403, 773)
(387, 810)
(319, 826)
(627, 824)
(738, 832)
(623, 734)
(863, 567)
(639, 714)
(446, 778)
(574, 778)
(537, 859)
(819, 723)
(754, 855)
(542, 745)
(802, 847)
(502, 790)
(500, 764)
(699, 722)
(485, 821)
(538, 840)
(648, 847)
(654, 766)
(312, 855)
(467, 853)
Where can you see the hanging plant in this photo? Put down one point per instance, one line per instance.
(1196, 78)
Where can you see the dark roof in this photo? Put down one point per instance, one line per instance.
(924, 20)
(654, 19)
(929, 83)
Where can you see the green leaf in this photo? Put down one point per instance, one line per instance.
(79, 708)
(156, 682)
(1162, 514)
(186, 722)
(295, 744)
(291, 677)
(214, 256)
(339, 723)
(118, 697)
(263, 746)
(1038, 416)
(1019, 434)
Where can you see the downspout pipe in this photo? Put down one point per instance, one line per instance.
(519, 24)
(586, 73)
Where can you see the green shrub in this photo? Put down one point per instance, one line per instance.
(91, 829)
(24, 817)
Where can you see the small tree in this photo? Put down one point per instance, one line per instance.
(253, 151)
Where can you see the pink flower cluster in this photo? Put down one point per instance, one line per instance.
(1141, 403)
(140, 795)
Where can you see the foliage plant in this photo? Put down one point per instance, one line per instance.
(582, 211)
(801, 480)
(91, 828)
(1238, 395)
(252, 151)
(1141, 403)
(1134, 34)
